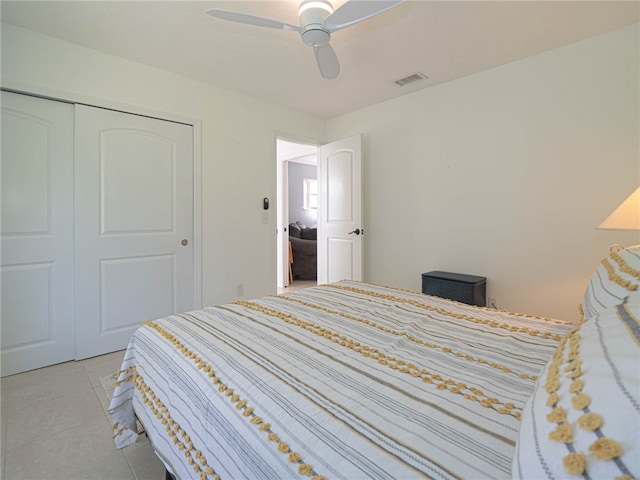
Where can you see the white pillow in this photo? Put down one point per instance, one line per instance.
(617, 276)
(584, 415)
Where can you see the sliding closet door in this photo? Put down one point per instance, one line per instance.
(36, 233)
(134, 225)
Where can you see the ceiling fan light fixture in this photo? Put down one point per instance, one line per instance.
(313, 14)
(321, 4)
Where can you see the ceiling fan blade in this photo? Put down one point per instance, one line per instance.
(252, 20)
(355, 11)
(327, 61)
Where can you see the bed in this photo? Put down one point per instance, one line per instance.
(357, 380)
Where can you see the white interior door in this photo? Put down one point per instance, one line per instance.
(134, 225)
(36, 233)
(340, 227)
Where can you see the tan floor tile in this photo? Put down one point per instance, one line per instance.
(107, 468)
(38, 417)
(44, 383)
(85, 453)
(297, 285)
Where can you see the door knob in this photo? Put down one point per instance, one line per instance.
(356, 231)
(184, 242)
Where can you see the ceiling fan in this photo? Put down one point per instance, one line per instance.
(317, 22)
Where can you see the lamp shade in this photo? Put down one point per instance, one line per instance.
(626, 216)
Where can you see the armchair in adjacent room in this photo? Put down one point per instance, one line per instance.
(304, 247)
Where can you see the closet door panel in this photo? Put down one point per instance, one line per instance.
(123, 208)
(36, 233)
(134, 225)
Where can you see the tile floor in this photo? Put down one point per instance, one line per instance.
(55, 426)
(297, 285)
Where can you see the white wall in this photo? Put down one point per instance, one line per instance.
(238, 145)
(506, 174)
(298, 172)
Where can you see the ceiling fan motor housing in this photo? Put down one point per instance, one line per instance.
(312, 16)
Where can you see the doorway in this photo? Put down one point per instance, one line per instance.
(340, 229)
(297, 204)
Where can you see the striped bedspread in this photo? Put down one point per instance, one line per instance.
(349, 380)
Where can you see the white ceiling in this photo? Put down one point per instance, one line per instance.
(291, 150)
(444, 40)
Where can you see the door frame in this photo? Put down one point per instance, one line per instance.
(282, 207)
(196, 124)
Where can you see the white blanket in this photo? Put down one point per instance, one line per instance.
(349, 380)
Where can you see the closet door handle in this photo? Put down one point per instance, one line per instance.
(356, 231)
(184, 242)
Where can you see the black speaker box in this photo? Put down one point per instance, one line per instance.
(469, 289)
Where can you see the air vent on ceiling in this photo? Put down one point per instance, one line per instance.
(411, 78)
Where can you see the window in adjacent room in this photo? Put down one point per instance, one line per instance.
(310, 192)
